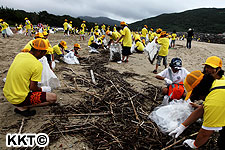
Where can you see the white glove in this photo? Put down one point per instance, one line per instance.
(168, 81)
(177, 131)
(46, 89)
(190, 143)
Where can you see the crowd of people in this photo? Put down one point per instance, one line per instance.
(21, 87)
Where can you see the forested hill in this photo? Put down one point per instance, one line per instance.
(205, 20)
(12, 17)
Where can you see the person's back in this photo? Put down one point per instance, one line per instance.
(164, 42)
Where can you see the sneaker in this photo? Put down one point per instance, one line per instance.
(119, 62)
(25, 113)
(154, 71)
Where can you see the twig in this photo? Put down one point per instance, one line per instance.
(180, 141)
(109, 134)
(135, 112)
(21, 127)
(68, 115)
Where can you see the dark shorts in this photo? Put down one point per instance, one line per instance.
(33, 98)
(49, 57)
(66, 31)
(126, 51)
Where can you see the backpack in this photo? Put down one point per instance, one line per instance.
(176, 90)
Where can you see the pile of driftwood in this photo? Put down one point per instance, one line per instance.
(112, 115)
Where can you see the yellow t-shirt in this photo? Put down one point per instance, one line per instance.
(56, 49)
(96, 27)
(83, 26)
(164, 42)
(65, 25)
(144, 32)
(4, 25)
(90, 40)
(25, 68)
(28, 24)
(137, 36)
(214, 106)
(140, 46)
(174, 35)
(103, 27)
(71, 26)
(127, 40)
(115, 36)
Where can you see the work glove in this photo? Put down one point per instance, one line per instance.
(175, 133)
(46, 89)
(190, 143)
(168, 81)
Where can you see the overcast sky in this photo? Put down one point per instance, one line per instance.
(122, 10)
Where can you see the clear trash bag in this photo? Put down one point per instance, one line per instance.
(48, 77)
(169, 117)
(69, 58)
(115, 52)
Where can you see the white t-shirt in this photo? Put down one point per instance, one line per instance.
(177, 77)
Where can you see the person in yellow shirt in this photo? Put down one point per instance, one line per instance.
(83, 25)
(21, 86)
(212, 91)
(127, 41)
(113, 36)
(75, 49)
(96, 27)
(174, 36)
(93, 43)
(163, 51)
(65, 25)
(81, 33)
(4, 25)
(101, 43)
(28, 26)
(150, 34)
(103, 28)
(144, 32)
(58, 50)
(114, 28)
(139, 47)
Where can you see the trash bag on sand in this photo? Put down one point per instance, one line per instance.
(9, 31)
(115, 52)
(169, 117)
(69, 58)
(48, 77)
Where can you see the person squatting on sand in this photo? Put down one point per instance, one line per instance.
(174, 77)
(21, 86)
(205, 87)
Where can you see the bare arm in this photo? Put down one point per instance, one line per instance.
(159, 77)
(195, 115)
(117, 41)
(203, 137)
(34, 87)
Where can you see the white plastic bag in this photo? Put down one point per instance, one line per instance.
(132, 49)
(9, 31)
(69, 58)
(169, 117)
(152, 50)
(53, 64)
(115, 52)
(48, 77)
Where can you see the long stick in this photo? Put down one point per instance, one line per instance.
(90, 114)
(21, 127)
(180, 141)
(92, 77)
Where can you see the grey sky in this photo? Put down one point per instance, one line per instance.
(122, 10)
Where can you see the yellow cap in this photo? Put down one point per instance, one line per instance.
(41, 44)
(163, 33)
(84, 21)
(26, 18)
(213, 61)
(122, 23)
(103, 36)
(108, 32)
(77, 45)
(191, 81)
(63, 43)
(38, 35)
(71, 22)
(96, 33)
(145, 26)
(1, 20)
(65, 19)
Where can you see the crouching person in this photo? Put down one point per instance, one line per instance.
(174, 77)
(21, 86)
